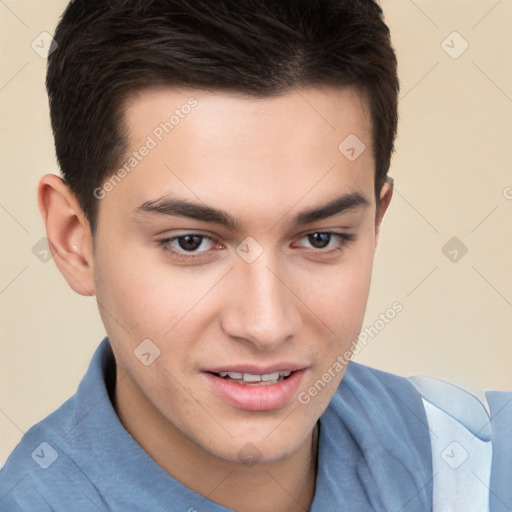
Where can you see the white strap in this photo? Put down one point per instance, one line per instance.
(461, 464)
(460, 437)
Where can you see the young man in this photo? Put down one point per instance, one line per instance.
(225, 179)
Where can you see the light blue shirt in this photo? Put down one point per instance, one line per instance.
(375, 452)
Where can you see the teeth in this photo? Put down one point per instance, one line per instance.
(270, 376)
(251, 378)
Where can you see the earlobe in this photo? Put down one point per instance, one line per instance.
(385, 198)
(68, 233)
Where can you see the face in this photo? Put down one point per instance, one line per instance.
(234, 258)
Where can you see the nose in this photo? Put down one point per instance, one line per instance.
(261, 308)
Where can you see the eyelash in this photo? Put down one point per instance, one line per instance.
(344, 239)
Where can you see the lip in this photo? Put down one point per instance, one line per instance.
(257, 397)
(258, 370)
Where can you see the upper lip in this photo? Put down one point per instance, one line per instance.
(257, 370)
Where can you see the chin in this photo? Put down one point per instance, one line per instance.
(265, 449)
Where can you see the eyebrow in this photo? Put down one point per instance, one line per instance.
(175, 206)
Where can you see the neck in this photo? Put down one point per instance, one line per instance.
(287, 485)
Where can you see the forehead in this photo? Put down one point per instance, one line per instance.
(259, 155)
(319, 108)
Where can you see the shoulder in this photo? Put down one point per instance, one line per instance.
(376, 424)
(466, 438)
(471, 445)
(372, 386)
(388, 403)
(46, 462)
(387, 407)
(40, 465)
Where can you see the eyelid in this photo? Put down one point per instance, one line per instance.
(343, 238)
(187, 257)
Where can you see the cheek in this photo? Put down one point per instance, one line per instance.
(142, 294)
(141, 297)
(126, 299)
(339, 293)
(341, 308)
(338, 300)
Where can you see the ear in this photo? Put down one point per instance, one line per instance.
(68, 232)
(385, 198)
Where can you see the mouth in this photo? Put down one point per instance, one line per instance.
(253, 379)
(257, 389)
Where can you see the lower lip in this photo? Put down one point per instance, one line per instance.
(256, 397)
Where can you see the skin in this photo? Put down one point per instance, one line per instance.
(262, 161)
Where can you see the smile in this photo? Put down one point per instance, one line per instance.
(251, 379)
(255, 391)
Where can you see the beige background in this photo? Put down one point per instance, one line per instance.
(452, 168)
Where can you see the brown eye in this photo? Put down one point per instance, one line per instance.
(189, 242)
(319, 240)
(186, 246)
